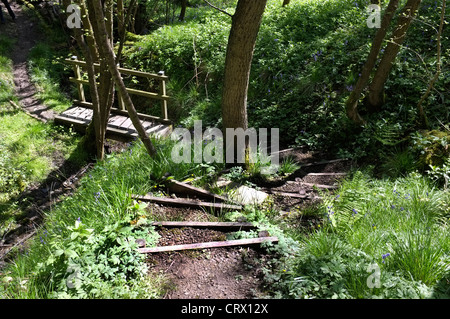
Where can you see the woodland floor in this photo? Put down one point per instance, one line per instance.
(233, 273)
(210, 273)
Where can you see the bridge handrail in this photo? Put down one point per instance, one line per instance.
(162, 95)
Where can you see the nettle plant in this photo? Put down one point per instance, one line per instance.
(85, 263)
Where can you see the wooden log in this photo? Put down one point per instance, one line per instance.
(212, 244)
(183, 188)
(220, 225)
(185, 202)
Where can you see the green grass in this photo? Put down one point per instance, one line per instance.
(6, 78)
(400, 225)
(28, 148)
(48, 72)
(102, 201)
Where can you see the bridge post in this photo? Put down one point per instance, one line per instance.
(119, 96)
(80, 87)
(162, 89)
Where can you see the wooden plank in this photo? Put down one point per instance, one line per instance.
(293, 195)
(127, 125)
(86, 114)
(185, 202)
(183, 188)
(69, 120)
(326, 174)
(122, 70)
(118, 120)
(324, 162)
(212, 244)
(125, 113)
(147, 124)
(150, 95)
(74, 112)
(154, 128)
(220, 225)
(319, 185)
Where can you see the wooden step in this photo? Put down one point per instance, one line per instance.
(218, 225)
(212, 244)
(185, 202)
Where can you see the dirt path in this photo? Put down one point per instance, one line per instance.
(27, 33)
(36, 198)
(236, 273)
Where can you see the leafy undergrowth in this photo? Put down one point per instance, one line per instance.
(87, 247)
(307, 59)
(378, 239)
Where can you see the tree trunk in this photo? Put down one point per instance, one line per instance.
(376, 89)
(241, 44)
(286, 2)
(423, 120)
(352, 101)
(183, 10)
(107, 53)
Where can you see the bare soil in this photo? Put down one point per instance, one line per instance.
(219, 273)
(27, 33)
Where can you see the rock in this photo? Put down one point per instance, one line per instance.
(248, 196)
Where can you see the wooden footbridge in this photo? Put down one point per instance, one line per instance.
(120, 127)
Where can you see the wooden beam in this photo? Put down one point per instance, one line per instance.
(319, 185)
(326, 174)
(324, 162)
(184, 202)
(122, 70)
(212, 244)
(122, 112)
(220, 225)
(293, 195)
(150, 95)
(183, 188)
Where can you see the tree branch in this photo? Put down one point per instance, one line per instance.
(217, 8)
